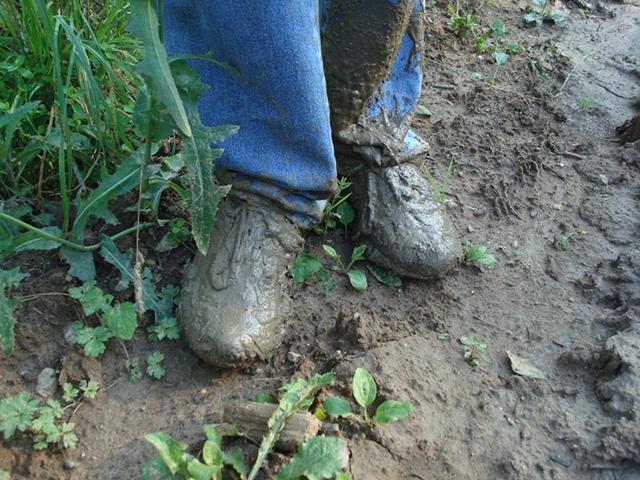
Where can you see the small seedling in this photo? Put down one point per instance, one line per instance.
(307, 266)
(478, 254)
(560, 241)
(154, 367)
(118, 320)
(43, 423)
(133, 366)
(473, 346)
(70, 393)
(439, 189)
(178, 234)
(338, 211)
(423, 111)
(541, 12)
(365, 392)
(167, 328)
(462, 22)
(584, 104)
(443, 337)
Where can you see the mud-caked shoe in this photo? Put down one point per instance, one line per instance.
(235, 298)
(405, 228)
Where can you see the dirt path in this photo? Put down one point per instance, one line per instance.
(534, 158)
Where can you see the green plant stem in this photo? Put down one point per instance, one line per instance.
(76, 246)
(61, 109)
(365, 414)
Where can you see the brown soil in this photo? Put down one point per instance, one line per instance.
(530, 165)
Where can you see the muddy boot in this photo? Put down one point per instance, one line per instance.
(405, 228)
(235, 298)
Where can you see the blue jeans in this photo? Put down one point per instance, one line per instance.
(278, 93)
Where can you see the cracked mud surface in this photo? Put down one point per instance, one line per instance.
(529, 166)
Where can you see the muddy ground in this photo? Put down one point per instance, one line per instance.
(535, 157)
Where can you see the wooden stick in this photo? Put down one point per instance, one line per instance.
(251, 418)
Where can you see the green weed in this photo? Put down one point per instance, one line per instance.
(439, 188)
(166, 105)
(307, 266)
(561, 241)
(541, 12)
(461, 21)
(319, 457)
(46, 424)
(583, 104)
(478, 254)
(365, 392)
(472, 347)
(338, 213)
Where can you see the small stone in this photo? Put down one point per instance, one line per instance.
(603, 179)
(47, 382)
(515, 244)
(339, 355)
(294, 357)
(470, 229)
(70, 334)
(557, 206)
(70, 464)
(533, 214)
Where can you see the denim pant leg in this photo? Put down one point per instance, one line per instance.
(278, 97)
(372, 52)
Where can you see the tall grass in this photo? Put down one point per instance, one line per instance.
(75, 60)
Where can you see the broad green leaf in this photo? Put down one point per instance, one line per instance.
(531, 18)
(93, 340)
(305, 266)
(384, 276)
(342, 476)
(199, 156)
(112, 254)
(522, 366)
(8, 278)
(337, 407)
(358, 253)
(500, 58)
(391, 410)
(91, 297)
(330, 251)
(16, 413)
(154, 68)
(556, 17)
(80, 263)
(471, 341)
(156, 470)
(346, 213)
(122, 181)
(319, 458)
(122, 320)
(16, 116)
(199, 471)
(235, 460)
(170, 450)
(364, 387)
(358, 280)
(498, 29)
(32, 241)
